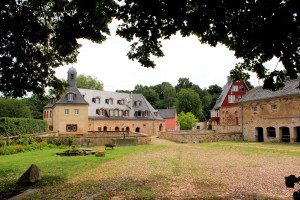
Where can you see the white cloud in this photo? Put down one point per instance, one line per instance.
(184, 58)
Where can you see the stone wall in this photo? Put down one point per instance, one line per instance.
(199, 136)
(260, 116)
(227, 128)
(99, 138)
(145, 126)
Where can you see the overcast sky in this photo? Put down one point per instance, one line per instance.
(184, 58)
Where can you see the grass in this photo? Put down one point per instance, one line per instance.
(285, 149)
(54, 168)
(166, 167)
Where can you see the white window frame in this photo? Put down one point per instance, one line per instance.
(67, 111)
(70, 97)
(235, 88)
(76, 111)
(231, 98)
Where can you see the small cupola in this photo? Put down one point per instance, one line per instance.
(72, 77)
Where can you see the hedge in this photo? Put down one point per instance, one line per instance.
(21, 126)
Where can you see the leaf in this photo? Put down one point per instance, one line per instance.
(290, 181)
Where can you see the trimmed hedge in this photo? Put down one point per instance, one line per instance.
(21, 126)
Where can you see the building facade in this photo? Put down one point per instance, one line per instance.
(226, 110)
(272, 116)
(170, 116)
(81, 110)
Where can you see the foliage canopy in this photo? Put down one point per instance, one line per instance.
(46, 32)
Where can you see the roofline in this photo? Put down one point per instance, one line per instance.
(291, 95)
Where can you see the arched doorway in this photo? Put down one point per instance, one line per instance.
(160, 127)
(285, 134)
(127, 128)
(117, 128)
(137, 129)
(297, 133)
(105, 128)
(259, 134)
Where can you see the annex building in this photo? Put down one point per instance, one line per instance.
(272, 116)
(79, 111)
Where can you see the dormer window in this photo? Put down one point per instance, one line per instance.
(126, 113)
(100, 112)
(70, 96)
(96, 100)
(109, 101)
(146, 113)
(138, 103)
(121, 102)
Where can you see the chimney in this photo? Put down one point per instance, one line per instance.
(228, 80)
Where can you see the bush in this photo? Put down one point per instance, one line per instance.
(21, 126)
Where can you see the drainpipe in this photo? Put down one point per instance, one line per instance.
(243, 120)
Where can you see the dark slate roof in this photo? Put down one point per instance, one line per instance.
(167, 113)
(223, 94)
(89, 94)
(78, 99)
(258, 93)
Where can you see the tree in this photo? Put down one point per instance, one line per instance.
(36, 104)
(14, 108)
(183, 83)
(167, 95)
(255, 33)
(46, 34)
(38, 36)
(148, 92)
(189, 101)
(89, 82)
(186, 120)
(214, 90)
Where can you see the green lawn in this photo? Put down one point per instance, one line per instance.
(54, 168)
(157, 164)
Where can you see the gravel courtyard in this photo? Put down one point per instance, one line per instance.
(187, 171)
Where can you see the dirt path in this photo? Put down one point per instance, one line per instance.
(186, 171)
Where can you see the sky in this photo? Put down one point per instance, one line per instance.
(184, 58)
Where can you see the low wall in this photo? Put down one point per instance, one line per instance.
(99, 138)
(227, 128)
(195, 137)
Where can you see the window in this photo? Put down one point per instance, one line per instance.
(111, 113)
(116, 113)
(274, 107)
(271, 132)
(100, 112)
(139, 113)
(120, 113)
(138, 103)
(126, 113)
(254, 109)
(50, 114)
(109, 101)
(231, 98)
(71, 127)
(70, 97)
(121, 102)
(76, 111)
(156, 114)
(146, 113)
(99, 129)
(66, 111)
(96, 100)
(235, 88)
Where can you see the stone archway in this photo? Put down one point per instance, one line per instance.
(137, 129)
(297, 133)
(259, 134)
(285, 134)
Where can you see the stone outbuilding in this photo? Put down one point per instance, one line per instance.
(272, 116)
